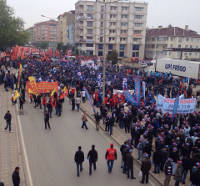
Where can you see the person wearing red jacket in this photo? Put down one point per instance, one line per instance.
(111, 155)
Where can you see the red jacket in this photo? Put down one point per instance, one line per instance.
(111, 154)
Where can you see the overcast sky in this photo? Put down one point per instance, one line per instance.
(160, 12)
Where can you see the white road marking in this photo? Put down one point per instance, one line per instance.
(30, 181)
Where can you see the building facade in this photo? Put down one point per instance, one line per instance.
(122, 24)
(165, 42)
(67, 27)
(47, 31)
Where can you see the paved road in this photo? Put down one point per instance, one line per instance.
(51, 153)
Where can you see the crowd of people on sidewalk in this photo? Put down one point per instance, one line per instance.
(172, 144)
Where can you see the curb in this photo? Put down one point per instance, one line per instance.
(158, 182)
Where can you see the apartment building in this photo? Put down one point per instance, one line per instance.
(160, 40)
(122, 23)
(67, 27)
(47, 31)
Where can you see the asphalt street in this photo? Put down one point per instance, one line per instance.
(51, 152)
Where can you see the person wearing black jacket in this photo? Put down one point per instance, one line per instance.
(92, 157)
(16, 177)
(79, 159)
(145, 168)
(49, 108)
(8, 119)
(156, 161)
(46, 120)
(187, 165)
(168, 172)
(129, 164)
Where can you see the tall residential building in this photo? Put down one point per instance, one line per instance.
(67, 27)
(123, 24)
(47, 31)
(160, 40)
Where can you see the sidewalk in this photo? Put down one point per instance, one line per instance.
(10, 151)
(120, 136)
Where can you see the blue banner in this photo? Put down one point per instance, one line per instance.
(143, 89)
(89, 99)
(176, 103)
(137, 90)
(129, 98)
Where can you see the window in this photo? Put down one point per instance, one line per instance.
(190, 46)
(171, 46)
(102, 8)
(122, 39)
(139, 8)
(101, 39)
(81, 6)
(100, 46)
(100, 53)
(89, 31)
(113, 8)
(186, 46)
(101, 31)
(121, 54)
(123, 31)
(101, 24)
(135, 54)
(89, 23)
(124, 24)
(111, 38)
(113, 16)
(121, 47)
(138, 24)
(112, 31)
(171, 38)
(89, 38)
(102, 16)
(137, 39)
(179, 46)
(124, 16)
(89, 8)
(187, 39)
(136, 47)
(90, 16)
(110, 46)
(139, 16)
(180, 39)
(137, 32)
(112, 23)
(124, 8)
(89, 44)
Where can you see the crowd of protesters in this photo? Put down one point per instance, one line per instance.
(173, 144)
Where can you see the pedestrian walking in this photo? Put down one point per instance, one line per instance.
(73, 103)
(92, 157)
(97, 119)
(78, 102)
(79, 159)
(145, 168)
(84, 120)
(178, 173)
(21, 103)
(111, 156)
(129, 164)
(8, 119)
(16, 177)
(46, 120)
(168, 172)
(49, 108)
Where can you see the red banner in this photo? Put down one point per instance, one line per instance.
(44, 87)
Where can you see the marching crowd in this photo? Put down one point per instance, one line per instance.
(171, 144)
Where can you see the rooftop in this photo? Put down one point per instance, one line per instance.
(172, 32)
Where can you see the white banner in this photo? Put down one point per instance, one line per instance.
(167, 105)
